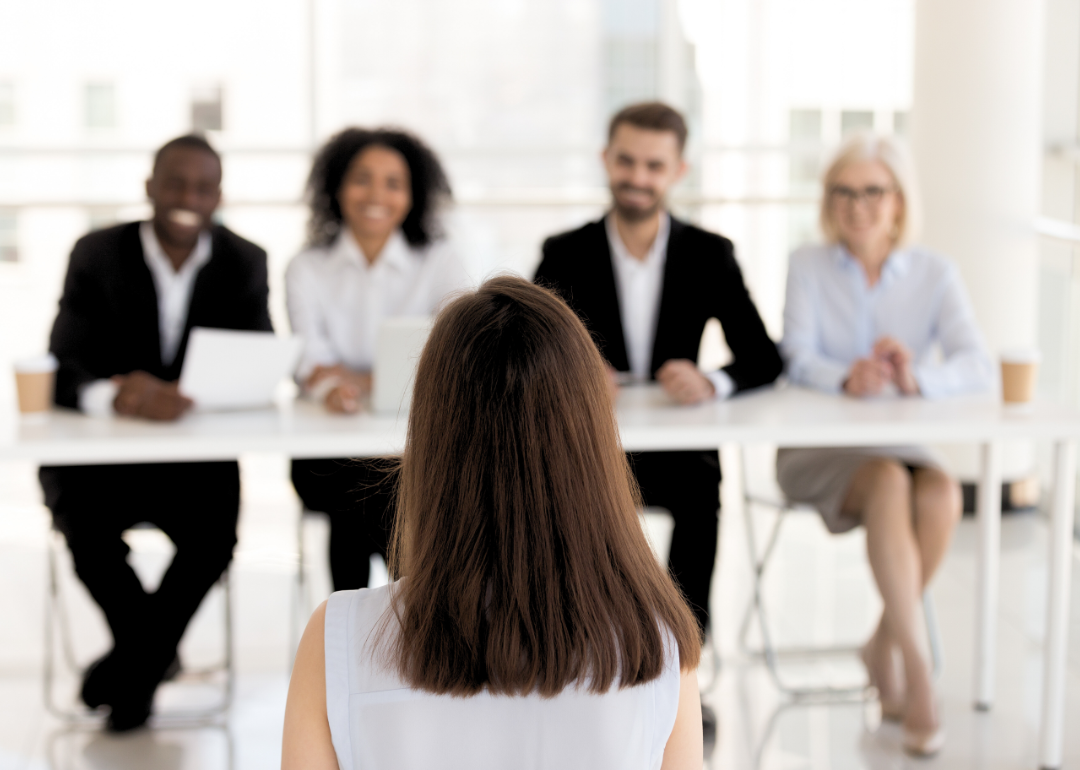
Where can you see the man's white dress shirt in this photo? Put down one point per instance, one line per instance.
(337, 300)
(639, 283)
(173, 289)
(833, 317)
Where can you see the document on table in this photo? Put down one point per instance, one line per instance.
(227, 369)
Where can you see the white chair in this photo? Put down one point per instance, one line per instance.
(60, 653)
(300, 609)
(769, 651)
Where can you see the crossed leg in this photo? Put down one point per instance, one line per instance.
(909, 521)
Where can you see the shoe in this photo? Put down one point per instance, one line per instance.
(924, 743)
(891, 710)
(129, 715)
(97, 685)
(708, 728)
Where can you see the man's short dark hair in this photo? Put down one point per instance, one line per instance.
(192, 141)
(652, 116)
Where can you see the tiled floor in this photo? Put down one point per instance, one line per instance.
(819, 591)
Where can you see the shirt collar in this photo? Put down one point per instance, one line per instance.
(157, 260)
(395, 253)
(658, 250)
(896, 264)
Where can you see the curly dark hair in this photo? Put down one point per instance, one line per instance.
(430, 187)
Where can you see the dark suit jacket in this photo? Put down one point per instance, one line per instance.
(108, 319)
(702, 280)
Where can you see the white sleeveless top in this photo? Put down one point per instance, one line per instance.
(379, 721)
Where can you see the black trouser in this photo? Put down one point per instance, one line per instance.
(357, 495)
(687, 484)
(195, 504)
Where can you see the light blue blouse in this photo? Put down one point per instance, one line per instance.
(833, 317)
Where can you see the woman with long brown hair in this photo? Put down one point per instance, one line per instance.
(531, 625)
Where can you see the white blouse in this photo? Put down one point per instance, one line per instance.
(833, 317)
(337, 300)
(379, 721)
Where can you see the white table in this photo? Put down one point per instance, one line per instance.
(648, 421)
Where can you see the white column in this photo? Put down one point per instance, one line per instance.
(977, 139)
(976, 133)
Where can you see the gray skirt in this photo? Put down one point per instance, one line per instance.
(821, 476)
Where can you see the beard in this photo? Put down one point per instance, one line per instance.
(632, 213)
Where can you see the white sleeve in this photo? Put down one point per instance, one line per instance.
(450, 276)
(306, 317)
(966, 367)
(722, 383)
(96, 398)
(801, 346)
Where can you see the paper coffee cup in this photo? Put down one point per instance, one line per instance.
(34, 381)
(1019, 372)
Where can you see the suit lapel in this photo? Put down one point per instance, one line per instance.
(609, 318)
(668, 297)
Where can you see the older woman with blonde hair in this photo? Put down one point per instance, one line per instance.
(870, 314)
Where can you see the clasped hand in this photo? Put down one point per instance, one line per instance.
(890, 361)
(347, 390)
(140, 394)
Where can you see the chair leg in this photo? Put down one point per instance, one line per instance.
(772, 654)
(769, 652)
(933, 633)
(299, 599)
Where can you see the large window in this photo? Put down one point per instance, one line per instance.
(7, 103)
(9, 246)
(100, 105)
(206, 109)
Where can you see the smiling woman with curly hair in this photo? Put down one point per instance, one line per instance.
(428, 185)
(375, 251)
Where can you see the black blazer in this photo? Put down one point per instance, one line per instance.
(108, 319)
(702, 280)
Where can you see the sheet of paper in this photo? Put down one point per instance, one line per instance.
(226, 369)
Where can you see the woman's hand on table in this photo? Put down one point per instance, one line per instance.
(898, 355)
(684, 382)
(868, 377)
(341, 390)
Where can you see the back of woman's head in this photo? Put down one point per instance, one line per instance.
(517, 528)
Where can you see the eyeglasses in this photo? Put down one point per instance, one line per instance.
(873, 194)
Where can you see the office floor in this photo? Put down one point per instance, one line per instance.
(819, 591)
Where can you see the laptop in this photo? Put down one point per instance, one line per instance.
(397, 352)
(227, 369)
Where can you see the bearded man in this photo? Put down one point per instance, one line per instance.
(645, 284)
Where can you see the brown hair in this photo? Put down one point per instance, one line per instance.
(653, 116)
(517, 528)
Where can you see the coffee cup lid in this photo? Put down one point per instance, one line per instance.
(1021, 355)
(37, 364)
